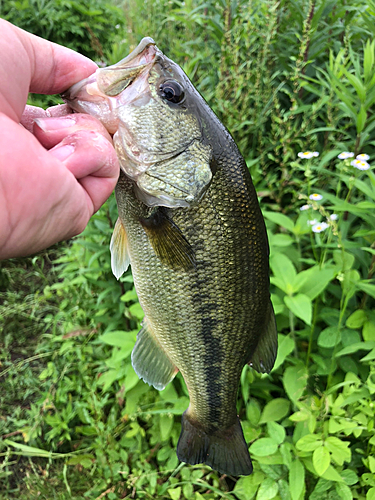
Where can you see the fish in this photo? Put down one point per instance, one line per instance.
(191, 227)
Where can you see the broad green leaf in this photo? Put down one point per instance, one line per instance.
(246, 487)
(129, 295)
(281, 240)
(361, 119)
(310, 442)
(368, 332)
(296, 479)
(349, 476)
(107, 379)
(166, 426)
(356, 319)
(370, 495)
(295, 381)
(284, 492)
(301, 306)
(276, 432)
(317, 281)
(175, 493)
(283, 271)
(344, 259)
(86, 460)
(321, 460)
(371, 463)
(268, 489)
(369, 357)
(343, 491)
(331, 474)
(119, 338)
(253, 411)
(280, 219)
(263, 446)
(329, 337)
(285, 347)
(275, 410)
(358, 346)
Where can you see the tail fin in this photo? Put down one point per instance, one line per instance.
(225, 450)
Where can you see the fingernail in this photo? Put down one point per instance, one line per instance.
(53, 123)
(62, 152)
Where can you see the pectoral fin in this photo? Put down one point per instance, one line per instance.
(168, 242)
(150, 362)
(119, 250)
(263, 359)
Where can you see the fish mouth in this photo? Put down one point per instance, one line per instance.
(99, 94)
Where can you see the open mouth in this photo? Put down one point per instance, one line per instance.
(108, 83)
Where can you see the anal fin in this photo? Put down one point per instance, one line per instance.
(263, 359)
(168, 242)
(120, 259)
(150, 361)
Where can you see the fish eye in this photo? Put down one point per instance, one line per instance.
(172, 91)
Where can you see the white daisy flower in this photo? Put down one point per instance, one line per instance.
(363, 157)
(305, 207)
(360, 164)
(345, 155)
(315, 153)
(333, 217)
(312, 222)
(315, 197)
(306, 154)
(321, 226)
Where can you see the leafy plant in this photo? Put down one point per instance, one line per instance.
(293, 82)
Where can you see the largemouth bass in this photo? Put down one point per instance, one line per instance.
(191, 227)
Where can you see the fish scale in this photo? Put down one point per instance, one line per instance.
(191, 227)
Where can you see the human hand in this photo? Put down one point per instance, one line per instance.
(54, 179)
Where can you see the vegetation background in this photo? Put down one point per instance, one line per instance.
(285, 76)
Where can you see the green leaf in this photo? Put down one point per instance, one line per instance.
(175, 493)
(276, 432)
(281, 240)
(329, 337)
(268, 489)
(343, 259)
(369, 357)
(361, 119)
(283, 271)
(358, 346)
(296, 479)
(295, 381)
(321, 460)
(285, 346)
(309, 442)
(331, 474)
(370, 495)
(246, 487)
(280, 219)
(343, 491)
(263, 447)
(317, 280)
(275, 410)
(166, 426)
(301, 306)
(371, 463)
(349, 476)
(356, 319)
(368, 332)
(119, 338)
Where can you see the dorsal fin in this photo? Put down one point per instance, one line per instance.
(120, 259)
(167, 240)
